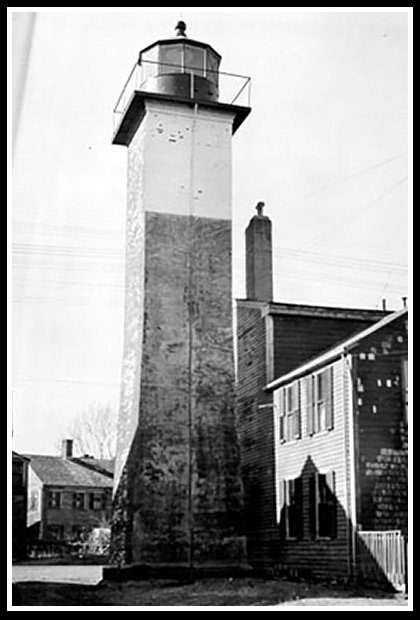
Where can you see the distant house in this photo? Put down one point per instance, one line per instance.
(67, 496)
(19, 504)
(340, 449)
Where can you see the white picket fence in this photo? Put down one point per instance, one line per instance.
(382, 557)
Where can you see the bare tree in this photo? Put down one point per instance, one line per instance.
(94, 431)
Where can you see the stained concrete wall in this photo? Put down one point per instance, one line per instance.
(178, 495)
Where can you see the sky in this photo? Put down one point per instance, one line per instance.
(327, 148)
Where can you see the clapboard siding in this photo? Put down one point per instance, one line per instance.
(321, 453)
(256, 433)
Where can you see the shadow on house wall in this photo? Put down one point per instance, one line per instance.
(317, 539)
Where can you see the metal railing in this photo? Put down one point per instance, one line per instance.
(233, 89)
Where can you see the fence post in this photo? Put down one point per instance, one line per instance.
(405, 544)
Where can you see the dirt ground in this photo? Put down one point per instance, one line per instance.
(78, 586)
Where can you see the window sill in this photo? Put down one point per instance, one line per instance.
(288, 442)
(321, 433)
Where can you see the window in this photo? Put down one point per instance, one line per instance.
(291, 520)
(78, 532)
(55, 532)
(54, 499)
(288, 405)
(322, 505)
(33, 500)
(194, 60)
(170, 60)
(78, 501)
(96, 501)
(319, 401)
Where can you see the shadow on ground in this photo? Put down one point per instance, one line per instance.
(209, 592)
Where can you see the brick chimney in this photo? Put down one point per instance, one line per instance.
(67, 449)
(259, 257)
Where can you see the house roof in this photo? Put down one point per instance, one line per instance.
(56, 471)
(305, 310)
(336, 351)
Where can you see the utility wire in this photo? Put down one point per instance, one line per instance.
(344, 179)
(355, 212)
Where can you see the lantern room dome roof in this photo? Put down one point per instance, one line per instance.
(179, 39)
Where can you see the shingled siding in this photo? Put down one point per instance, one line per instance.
(256, 433)
(320, 453)
(382, 429)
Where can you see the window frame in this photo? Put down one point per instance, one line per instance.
(76, 496)
(96, 501)
(56, 531)
(320, 401)
(289, 412)
(291, 515)
(322, 506)
(54, 499)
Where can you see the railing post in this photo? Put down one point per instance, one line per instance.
(192, 85)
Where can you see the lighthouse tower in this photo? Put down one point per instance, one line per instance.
(178, 494)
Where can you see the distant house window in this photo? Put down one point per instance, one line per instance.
(78, 501)
(78, 532)
(96, 501)
(33, 500)
(322, 505)
(291, 517)
(288, 405)
(54, 499)
(55, 532)
(319, 401)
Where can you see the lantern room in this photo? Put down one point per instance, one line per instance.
(181, 66)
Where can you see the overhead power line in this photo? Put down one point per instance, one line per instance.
(343, 180)
(357, 211)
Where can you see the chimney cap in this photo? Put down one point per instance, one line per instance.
(259, 208)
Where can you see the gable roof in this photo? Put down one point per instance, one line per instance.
(103, 466)
(56, 471)
(336, 351)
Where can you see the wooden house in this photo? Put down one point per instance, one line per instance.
(67, 496)
(340, 458)
(19, 505)
(273, 339)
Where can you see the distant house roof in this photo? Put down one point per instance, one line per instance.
(18, 457)
(335, 352)
(104, 466)
(56, 471)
